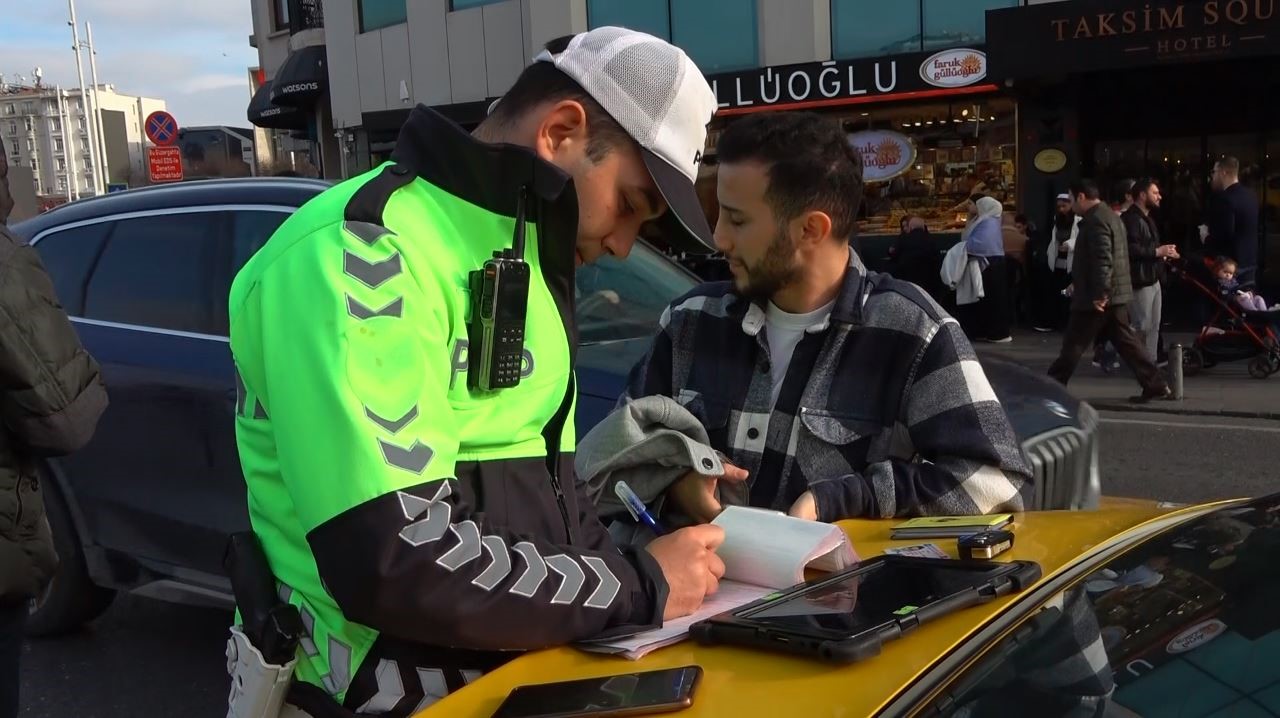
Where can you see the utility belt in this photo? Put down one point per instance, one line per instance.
(262, 650)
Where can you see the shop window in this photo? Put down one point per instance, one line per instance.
(279, 15)
(651, 16)
(928, 159)
(874, 28)
(720, 35)
(948, 23)
(375, 14)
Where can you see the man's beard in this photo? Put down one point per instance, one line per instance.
(1064, 221)
(774, 272)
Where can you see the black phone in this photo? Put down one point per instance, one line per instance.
(627, 694)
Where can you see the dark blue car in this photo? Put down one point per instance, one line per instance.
(149, 504)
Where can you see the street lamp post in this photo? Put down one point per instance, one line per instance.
(84, 100)
(101, 145)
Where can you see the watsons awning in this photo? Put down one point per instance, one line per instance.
(263, 113)
(302, 78)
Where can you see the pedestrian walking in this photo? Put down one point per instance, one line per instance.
(1101, 293)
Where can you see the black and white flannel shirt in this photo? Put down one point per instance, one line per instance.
(884, 410)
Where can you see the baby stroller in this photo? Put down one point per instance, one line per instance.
(1233, 333)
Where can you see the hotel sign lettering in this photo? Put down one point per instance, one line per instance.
(1086, 35)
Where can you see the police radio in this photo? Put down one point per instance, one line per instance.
(499, 301)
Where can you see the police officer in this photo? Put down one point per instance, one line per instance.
(426, 527)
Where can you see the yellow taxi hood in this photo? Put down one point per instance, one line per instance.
(744, 682)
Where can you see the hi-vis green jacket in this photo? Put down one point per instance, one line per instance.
(411, 520)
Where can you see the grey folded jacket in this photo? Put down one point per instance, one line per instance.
(649, 443)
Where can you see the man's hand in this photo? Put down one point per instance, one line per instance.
(1167, 251)
(695, 494)
(690, 565)
(805, 507)
(1100, 305)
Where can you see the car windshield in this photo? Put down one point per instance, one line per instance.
(623, 298)
(1184, 625)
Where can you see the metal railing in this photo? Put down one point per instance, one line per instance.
(305, 15)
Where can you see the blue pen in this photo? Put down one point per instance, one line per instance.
(636, 507)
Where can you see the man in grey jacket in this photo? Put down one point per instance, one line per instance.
(1101, 293)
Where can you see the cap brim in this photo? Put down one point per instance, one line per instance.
(684, 226)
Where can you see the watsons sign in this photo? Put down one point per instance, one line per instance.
(885, 154)
(954, 68)
(835, 80)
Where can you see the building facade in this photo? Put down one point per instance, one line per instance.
(945, 98)
(939, 133)
(47, 130)
(1114, 89)
(290, 103)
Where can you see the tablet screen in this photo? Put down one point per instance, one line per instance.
(867, 599)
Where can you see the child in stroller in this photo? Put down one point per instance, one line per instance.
(1240, 327)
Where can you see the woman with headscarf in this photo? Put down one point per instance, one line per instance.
(988, 319)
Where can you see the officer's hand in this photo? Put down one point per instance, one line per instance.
(690, 564)
(695, 494)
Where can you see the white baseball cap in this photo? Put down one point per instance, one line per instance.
(655, 92)
(1064, 197)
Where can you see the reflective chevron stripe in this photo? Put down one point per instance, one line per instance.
(390, 689)
(367, 232)
(392, 426)
(436, 521)
(433, 687)
(339, 676)
(535, 571)
(414, 459)
(370, 274)
(308, 639)
(394, 308)
(500, 563)
(468, 548)
(609, 585)
(572, 576)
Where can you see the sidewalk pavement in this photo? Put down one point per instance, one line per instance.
(1224, 390)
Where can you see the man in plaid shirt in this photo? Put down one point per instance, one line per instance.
(834, 391)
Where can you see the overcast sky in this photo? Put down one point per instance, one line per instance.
(193, 54)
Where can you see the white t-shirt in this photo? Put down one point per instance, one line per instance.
(784, 331)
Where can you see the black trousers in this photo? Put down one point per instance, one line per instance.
(1048, 306)
(989, 317)
(13, 621)
(1083, 327)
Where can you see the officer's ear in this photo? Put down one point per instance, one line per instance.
(561, 135)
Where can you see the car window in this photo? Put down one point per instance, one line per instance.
(1184, 625)
(623, 298)
(68, 255)
(159, 271)
(250, 230)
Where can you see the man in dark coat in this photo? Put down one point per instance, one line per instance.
(51, 396)
(1101, 292)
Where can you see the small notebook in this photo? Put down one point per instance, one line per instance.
(948, 526)
(763, 551)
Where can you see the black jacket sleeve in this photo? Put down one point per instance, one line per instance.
(437, 571)
(51, 391)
